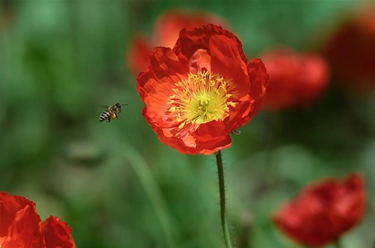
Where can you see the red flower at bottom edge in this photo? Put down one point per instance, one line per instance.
(321, 213)
(21, 226)
(202, 90)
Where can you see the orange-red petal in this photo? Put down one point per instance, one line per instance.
(226, 59)
(20, 223)
(155, 84)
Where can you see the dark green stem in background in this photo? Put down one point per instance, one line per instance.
(151, 188)
(224, 223)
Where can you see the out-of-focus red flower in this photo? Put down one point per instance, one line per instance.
(167, 29)
(138, 54)
(202, 90)
(322, 212)
(351, 51)
(296, 79)
(21, 226)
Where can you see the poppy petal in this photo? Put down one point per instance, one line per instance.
(25, 230)
(57, 233)
(226, 60)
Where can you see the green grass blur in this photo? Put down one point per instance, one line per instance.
(116, 184)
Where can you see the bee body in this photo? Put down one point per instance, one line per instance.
(112, 112)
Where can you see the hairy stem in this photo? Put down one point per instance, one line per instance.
(224, 223)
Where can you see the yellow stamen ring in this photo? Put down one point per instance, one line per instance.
(201, 98)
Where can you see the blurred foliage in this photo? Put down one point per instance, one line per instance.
(116, 184)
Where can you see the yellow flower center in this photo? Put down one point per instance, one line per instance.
(201, 98)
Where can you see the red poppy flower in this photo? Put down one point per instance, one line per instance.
(321, 213)
(351, 51)
(296, 80)
(202, 90)
(21, 226)
(167, 29)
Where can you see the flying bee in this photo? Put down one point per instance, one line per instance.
(112, 112)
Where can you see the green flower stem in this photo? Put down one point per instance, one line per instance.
(152, 190)
(224, 223)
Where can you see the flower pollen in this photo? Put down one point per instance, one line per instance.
(201, 98)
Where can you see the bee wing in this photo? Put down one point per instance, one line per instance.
(104, 106)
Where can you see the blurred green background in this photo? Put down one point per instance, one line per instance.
(116, 184)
